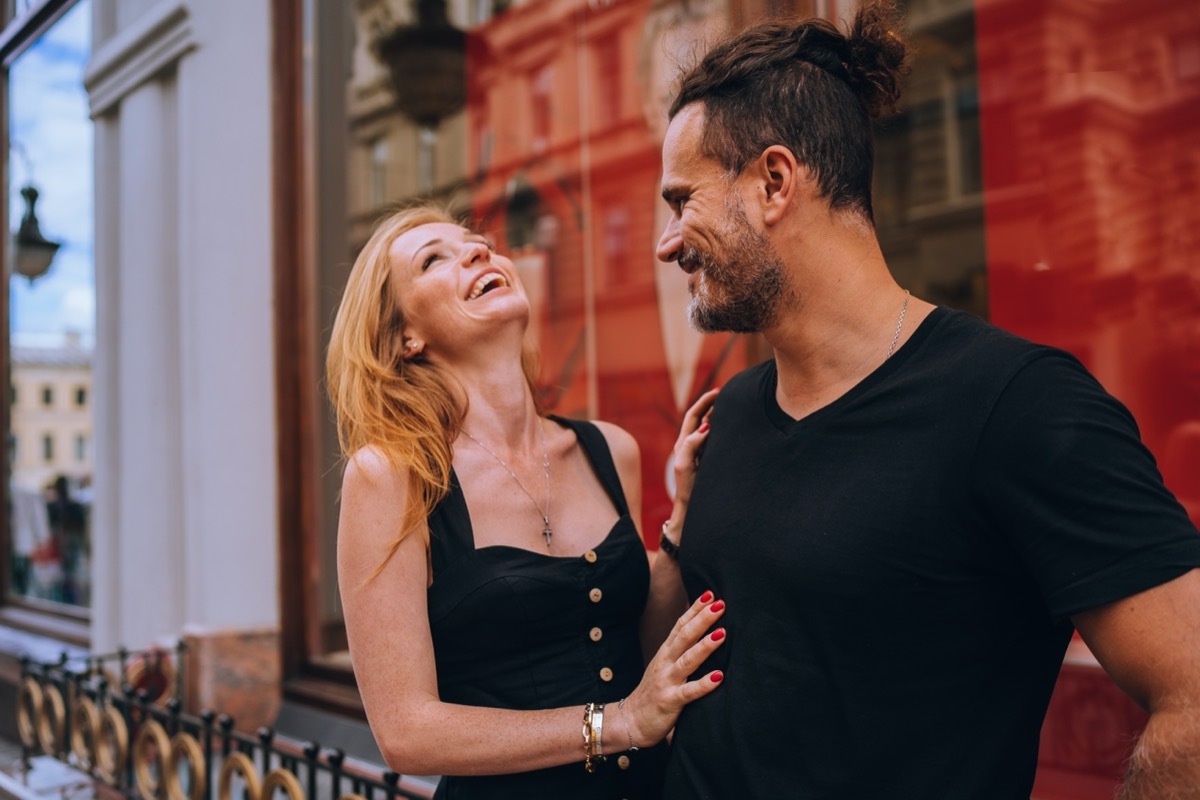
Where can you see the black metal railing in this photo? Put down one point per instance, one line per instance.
(127, 730)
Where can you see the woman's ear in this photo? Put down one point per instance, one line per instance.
(412, 347)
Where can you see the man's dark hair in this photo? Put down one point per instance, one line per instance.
(805, 85)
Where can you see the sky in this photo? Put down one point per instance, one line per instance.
(50, 138)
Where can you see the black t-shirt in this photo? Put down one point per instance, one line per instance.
(900, 567)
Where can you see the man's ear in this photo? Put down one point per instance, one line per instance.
(780, 177)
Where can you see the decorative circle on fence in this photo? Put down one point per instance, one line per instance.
(240, 764)
(150, 733)
(152, 673)
(112, 746)
(281, 779)
(85, 732)
(52, 722)
(184, 747)
(29, 711)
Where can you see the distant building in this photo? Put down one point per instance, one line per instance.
(51, 426)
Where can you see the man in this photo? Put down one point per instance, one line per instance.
(907, 509)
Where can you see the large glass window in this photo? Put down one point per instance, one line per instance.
(50, 331)
(545, 129)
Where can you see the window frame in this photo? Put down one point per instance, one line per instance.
(305, 679)
(69, 624)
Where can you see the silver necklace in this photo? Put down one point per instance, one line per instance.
(895, 336)
(547, 533)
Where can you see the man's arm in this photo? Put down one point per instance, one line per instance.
(1149, 643)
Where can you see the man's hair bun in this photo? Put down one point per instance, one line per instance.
(878, 56)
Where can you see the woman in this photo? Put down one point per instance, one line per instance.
(491, 573)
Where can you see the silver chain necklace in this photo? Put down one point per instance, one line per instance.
(547, 533)
(895, 336)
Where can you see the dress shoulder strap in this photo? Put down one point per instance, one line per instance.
(595, 447)
(450, 534)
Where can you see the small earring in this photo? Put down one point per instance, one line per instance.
(411, 348)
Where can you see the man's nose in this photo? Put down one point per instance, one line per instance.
(670, 244)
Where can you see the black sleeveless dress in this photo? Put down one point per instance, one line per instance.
(517, 629)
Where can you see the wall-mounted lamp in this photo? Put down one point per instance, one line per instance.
(427, 62)
(32, 252)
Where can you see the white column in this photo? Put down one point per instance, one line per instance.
(225, 322)
(150, 497)
(107, 572)
(185, 510)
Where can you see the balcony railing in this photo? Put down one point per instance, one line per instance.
(118, 719)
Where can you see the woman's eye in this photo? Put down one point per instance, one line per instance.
(428, 262)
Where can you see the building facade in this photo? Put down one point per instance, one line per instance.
(1041, 171)
(50, 431)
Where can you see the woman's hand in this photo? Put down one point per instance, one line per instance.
(651, 709)
(692, 435)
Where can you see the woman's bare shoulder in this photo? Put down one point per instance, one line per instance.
(371, 466)
(621, 443)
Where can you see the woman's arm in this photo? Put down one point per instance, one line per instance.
(667, 598)
(387, 627)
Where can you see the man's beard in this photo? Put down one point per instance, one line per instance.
(742, 292)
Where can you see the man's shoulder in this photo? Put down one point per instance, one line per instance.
(966, 344)
(749, 382)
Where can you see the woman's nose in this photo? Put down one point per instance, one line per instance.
(476, 252)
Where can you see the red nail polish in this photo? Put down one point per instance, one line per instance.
(703, 427)
(706, 597)
(716, 677)
(717, 606)
(717, 635)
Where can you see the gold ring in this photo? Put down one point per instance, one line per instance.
(112, 747)
(184, 746)
(52, 721)
(85, 732)
(29, 711)
(239, 763)
(153, 733)
(281, 779)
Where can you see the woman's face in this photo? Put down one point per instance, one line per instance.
(453, 287)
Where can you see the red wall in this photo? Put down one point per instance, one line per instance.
(1090, 117)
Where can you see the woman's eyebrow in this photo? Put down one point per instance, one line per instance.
(430, 243)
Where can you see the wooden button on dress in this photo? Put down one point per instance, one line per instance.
(590, 556)
(595, 595)
(623, 762)
(606, 674)
(595, 634)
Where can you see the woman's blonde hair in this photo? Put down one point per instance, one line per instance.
(407, 409)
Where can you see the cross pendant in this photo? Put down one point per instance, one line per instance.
(547, 533)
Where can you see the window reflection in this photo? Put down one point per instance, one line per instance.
(51, 317)
(554, 151)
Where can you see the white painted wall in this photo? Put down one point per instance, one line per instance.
(184, 517)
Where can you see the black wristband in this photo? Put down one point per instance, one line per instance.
(666, 545)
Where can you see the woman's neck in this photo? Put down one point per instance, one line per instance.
(500, 407)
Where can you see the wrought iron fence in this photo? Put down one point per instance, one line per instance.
(128, 731)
